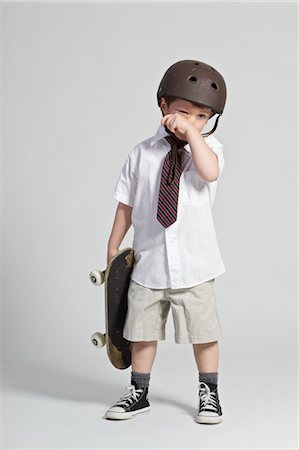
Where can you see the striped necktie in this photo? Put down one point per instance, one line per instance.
(170, 183)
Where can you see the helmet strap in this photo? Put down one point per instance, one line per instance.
(213, 129)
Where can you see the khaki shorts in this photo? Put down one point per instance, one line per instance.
(193, 310)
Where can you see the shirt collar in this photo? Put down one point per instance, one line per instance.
(160, 134)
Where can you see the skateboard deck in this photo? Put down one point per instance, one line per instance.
(116, 278)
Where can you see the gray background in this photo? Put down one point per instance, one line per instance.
(79, 90)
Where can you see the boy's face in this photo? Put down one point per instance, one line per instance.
(199, 116)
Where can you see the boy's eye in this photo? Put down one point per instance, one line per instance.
(199, 115)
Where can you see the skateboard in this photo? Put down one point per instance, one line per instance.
(116, 278)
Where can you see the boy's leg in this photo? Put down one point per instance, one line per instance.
(207, 360)
(143, 356)
(135, 401)
(207, 356)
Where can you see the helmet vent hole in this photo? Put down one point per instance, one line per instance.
(196, 64)
(214, 86)
(192, 79)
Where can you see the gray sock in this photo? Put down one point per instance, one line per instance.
(141, 379)
(208, 377)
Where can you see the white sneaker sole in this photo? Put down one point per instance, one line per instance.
(125, 415)
(207, 419)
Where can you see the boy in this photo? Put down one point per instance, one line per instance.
(166, 189)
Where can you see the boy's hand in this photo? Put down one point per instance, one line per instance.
(178, 124)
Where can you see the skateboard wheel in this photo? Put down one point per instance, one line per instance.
(97, 277)
(98, 339)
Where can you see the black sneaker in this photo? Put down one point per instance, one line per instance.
(132, 402)
(209, 410)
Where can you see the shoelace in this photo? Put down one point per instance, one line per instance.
(129, 396)
(207, 397)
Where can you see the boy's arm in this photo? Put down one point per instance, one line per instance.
(122, 223)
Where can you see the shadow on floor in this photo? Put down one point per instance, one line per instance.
(52, 383)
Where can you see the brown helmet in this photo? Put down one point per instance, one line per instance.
(197, 82)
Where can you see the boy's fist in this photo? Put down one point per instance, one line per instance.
(177, 123)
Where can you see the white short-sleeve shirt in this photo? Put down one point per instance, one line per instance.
(186, 253)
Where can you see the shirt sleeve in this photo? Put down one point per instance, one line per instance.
(125, 187)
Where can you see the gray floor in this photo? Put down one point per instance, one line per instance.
(48, 408)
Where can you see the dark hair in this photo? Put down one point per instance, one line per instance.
(170, 99)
